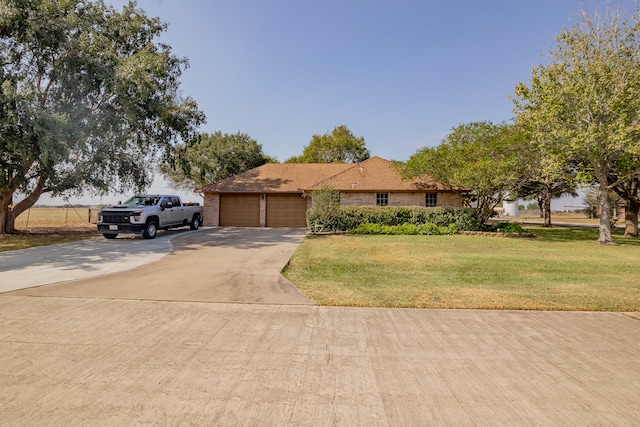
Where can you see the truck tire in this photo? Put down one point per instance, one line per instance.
(195, 222)
(150, 230)
(110, 235)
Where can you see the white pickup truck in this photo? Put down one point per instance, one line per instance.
(147, 214)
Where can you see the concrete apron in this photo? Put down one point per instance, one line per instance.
(93, 361)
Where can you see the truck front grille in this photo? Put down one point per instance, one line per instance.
(116, 217)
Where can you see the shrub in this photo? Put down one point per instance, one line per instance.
(507, 227)
(404, 229)
(348, 218)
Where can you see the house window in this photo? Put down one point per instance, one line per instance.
(382, 199)
(431, 199)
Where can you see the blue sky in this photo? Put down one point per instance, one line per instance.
(400, 73)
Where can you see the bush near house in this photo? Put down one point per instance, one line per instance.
(507, 227)
(346, 218)
(405, 229)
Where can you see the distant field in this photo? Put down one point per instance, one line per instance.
(55, 217)
(559, 218)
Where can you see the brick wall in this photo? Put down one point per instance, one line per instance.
(450, 198)
(263, 210)
(400, 199)
(212, 209)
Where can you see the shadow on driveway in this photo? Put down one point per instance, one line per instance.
(239, 265)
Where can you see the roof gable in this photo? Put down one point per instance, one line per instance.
(377, 174)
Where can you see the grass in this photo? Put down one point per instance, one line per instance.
(42, 236)
(561, 269)
(49, 226)
(54, 217)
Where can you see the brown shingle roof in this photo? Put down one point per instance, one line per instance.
(277, 178)
(374, 174)
(377, 174)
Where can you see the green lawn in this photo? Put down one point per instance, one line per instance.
(561, 269)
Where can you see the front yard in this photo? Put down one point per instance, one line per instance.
(561, 269)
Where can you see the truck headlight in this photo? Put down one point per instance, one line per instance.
(136, 216)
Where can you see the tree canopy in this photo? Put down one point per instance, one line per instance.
(481, 156)
(212, 157)
(89, 100)
(339, 146)
(544, 174)
(584, 102)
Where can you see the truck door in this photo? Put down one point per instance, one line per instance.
(177, 213)
(170, 214)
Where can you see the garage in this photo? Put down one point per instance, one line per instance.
(286, 210)
(240, 210)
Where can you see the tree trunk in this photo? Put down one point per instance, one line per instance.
(540, 207)
(546, 205)
(9, 212)
(7, 216)
(631, 210)
(605, 216)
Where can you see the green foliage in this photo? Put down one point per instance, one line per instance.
(326, 206)
(211, 158)
(481, 156)
(339, 146)
(347, 218)
(507, 227)
(405, 229)
(583, 102)
(89, 100)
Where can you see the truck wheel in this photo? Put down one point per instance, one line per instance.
(150, 230)
(110, 235)
(195, 223)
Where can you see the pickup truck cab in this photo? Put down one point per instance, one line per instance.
(146, 214)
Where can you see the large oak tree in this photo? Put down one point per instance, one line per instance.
(482, 156)
(585, 100)
(89, 100)
(213, 157)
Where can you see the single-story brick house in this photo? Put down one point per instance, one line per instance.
(272, 195)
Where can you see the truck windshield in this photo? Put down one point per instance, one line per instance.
(142, 201)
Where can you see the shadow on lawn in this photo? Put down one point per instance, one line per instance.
(572, 234)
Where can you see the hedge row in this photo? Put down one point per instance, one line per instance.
(405, 229)
(346, 218)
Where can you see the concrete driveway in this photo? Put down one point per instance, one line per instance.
(77, 260)
(82, 353)
(210, 265)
